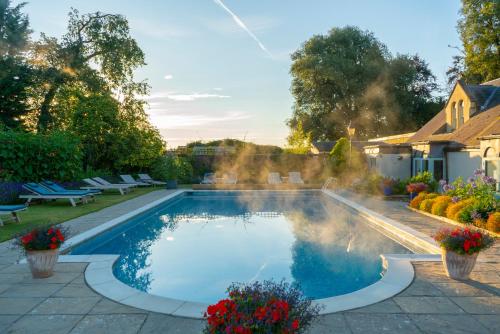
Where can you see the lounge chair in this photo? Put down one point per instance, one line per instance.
(295, 178)
(107, 183)
(149, 179)
(40, 192)
(128, 179)
(209, 178)
(12, 210)
(56, 187)
(230, 178)
(94, 185)
(274, 178)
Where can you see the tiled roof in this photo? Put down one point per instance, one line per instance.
(483, 124)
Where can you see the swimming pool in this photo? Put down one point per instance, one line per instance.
(193, 246)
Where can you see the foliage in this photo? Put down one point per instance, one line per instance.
(415, 203)
(340, 152)
(349, 76)
(10, 191)
(493, 222)
(479, 186)
(425, 177)
(34, 157)
(463, 241)
(479, 28)
(427, 204)
(42, 239)
(266, 307)
(239, 146)
(440, 205)
(416, 188)
(172, 167)
(299, 142)
(455, 207)
(14, 29)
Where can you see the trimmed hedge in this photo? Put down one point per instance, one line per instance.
(440, 205)
(34, 157)
(427, 204)
(454, 209)
(493, 223)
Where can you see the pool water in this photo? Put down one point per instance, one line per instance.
(194, 246)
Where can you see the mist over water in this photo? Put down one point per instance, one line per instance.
(194, 247)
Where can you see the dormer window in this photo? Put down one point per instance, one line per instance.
(453, 116)
(460, 112)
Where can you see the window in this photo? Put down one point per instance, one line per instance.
(460, 113)
(433, 165)
(492, 165)
(372, 162)
(453, 112)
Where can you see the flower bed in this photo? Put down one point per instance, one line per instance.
(472, 202)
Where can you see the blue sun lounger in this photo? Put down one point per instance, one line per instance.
(12, 210)
(58, 188)
(40, 192)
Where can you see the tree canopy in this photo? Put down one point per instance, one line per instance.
(82, 83)
(479, 29)
(348, 76)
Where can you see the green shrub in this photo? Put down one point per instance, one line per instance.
(424, 177)
(454, 208)
(172, 168)
(440, 205)
(415, 203)
(34, 157)
(426, 204)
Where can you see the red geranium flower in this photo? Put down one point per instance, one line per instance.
(295, 324)
(53, 246)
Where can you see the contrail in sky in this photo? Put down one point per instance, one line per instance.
(243, 26)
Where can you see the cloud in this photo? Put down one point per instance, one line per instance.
(168, 77)
(242, 25)
(163, 119)
(183, 97)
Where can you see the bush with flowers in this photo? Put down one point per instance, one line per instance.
(261, 307)
(416, 188)
(42, 239)
(463, 240)
(493, 222)
(440, 205)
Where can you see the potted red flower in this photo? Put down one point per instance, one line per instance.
(461, 247)
(42, 249)
(415, 188)
(266, 307)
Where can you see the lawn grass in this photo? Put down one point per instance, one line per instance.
(59, 211)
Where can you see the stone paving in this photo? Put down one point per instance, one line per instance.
(65, 304)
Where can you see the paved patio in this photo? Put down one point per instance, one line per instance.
(431, 304)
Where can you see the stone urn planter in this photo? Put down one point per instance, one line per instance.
(42, 262)
(41, 247)
(460, 248)
(458, 266)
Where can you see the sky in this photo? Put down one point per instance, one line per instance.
(220, 68)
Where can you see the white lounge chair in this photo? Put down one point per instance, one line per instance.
(107, 183)
(295, 178)
(39, 192)
(130, 180)
(149, 179)
(230, 178)
(274, 178)
(94, 185)
(11, 210)
(209, 178)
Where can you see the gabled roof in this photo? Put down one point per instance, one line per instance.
(483, 124)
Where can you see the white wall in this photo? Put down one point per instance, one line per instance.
(463, 164)
(389, 165)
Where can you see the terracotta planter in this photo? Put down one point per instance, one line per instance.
(458, 266)
(42, 262)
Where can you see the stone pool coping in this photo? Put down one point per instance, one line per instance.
(398, 274)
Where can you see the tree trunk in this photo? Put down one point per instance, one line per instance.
(45, 118)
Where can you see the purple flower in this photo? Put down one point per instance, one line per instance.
(475, 215)
(446, 188)
(455, 199)
(470, 180)
(478, 172)
(442, 182)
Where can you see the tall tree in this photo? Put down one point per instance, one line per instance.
(479, 29)
(96, 50)
(349, 77)
(16, 76)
